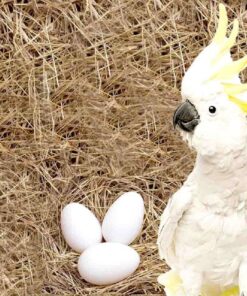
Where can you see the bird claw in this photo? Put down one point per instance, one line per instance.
(243, 294)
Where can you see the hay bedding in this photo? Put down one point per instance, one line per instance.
(87, 92)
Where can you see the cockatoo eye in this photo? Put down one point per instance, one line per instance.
(212, 110)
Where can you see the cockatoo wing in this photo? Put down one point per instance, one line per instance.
(173, 213)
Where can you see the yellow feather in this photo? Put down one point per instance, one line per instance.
(171, 280)
(241, 104)
(173, 284)
(234, 291)
(228, 43)
(228, 71)
(233, 35)
(232, 89)
(222, 25)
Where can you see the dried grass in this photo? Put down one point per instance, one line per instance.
(87, 92)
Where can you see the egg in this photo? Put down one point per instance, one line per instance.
(123, 221)
(80, 227)
(107, 263)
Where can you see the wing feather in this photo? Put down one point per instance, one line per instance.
(173, 213)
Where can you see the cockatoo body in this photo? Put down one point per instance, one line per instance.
(203, 230)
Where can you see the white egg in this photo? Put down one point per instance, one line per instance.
(80, 227)
(107, 263)
(123, 221)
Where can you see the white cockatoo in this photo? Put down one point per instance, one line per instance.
(203, 230)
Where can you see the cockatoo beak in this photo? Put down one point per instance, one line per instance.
(186, 117)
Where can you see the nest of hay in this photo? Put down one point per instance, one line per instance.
(87, 92)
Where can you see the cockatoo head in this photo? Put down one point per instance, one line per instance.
(212, 116)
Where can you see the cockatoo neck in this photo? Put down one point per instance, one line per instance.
(225, 157)
(221, 180)
(224, 165)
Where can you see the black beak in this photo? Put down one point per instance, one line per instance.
(186, 117)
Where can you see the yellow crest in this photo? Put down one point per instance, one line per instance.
(228, 71)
